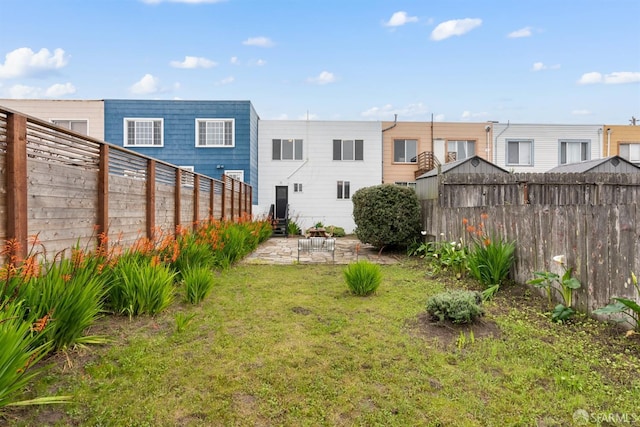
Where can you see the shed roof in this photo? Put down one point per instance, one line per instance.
(607, 164)
(470, 164)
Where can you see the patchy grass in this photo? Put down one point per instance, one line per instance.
(288, 345)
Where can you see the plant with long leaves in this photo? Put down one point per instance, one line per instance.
(626, 306)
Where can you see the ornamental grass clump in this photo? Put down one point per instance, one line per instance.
(140, 285)
(198, 282)
(457, 306)
(363, 278)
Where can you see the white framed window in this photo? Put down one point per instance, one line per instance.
(574, 151)
(520, 152)
(297, 187)
(286, 149)
(463, 149)
(348, 149)
(215, 133)
(344, 189)
(143, 132)
(410, 184)
(630, 151)
(238, 175)
(405, 150)
(79, 126)
(188, 168)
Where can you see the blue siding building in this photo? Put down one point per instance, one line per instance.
(211, 137)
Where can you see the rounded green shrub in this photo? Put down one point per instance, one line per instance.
(457, 306)
(363, 277)
(386, 215)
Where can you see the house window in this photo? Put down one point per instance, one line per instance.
(630, 151)
(574, 151)
(297, 187)
(238, 175)
(405, 150)
(348, 149)
(411, 184)
(462, 149)
(286, 149)
(187, 168)
(143, 132)
(79, 126)
(344, 189)
(520, 152)
(215, 133)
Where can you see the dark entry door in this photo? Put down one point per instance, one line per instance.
(282, 200)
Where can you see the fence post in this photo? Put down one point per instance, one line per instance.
(212, 186)
(103, 198)
(224, 198)
(196, 201)
(178, 202)
(250, 192)
(151, 198)
(233, 198)
(17, 226)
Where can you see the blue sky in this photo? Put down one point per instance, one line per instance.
(533, 61)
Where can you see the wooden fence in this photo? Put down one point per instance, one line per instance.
(592, 219)
(67, 189)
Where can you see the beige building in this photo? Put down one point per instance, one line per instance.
(623, 141)
(410, 149)
(82, 116)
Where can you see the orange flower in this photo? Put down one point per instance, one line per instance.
(471, 229)
(487, 241)
(465, 221)
(484, 215)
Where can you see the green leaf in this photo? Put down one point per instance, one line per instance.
(612, 308)
(571, 283)
(629, 304)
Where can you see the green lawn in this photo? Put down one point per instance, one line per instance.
(287, 345)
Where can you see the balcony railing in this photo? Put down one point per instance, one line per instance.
(425, 162)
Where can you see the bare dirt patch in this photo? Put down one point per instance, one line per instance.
(446, 333)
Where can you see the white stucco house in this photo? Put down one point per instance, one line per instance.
(314, 167)
(539, 147)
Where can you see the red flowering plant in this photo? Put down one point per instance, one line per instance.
(490, 256)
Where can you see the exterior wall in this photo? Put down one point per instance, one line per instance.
(317, 171)
(429, 139)
(47, 109)
(619, 134)
(179, 134)
(546, 143)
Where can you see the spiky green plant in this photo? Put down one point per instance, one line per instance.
(363, 278)
(140, 286)
(198, 282)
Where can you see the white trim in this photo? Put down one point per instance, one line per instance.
(71, 120)
(216, 120)
(188, 168)
(126, 120)
(237, 174)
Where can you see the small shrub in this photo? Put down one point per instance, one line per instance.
(627, 306)
(457, 306)
(386, 215)
(140, 286)
(363, 277)
(336, 231)
(293, 229)
(198, 282)
(490, 261)
(450, 256)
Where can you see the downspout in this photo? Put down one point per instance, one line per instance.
(488, 149)
(395, 123)
(600, 143)
(495, 145)
(609, 141)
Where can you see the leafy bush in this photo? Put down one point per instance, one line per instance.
(71, 294)
(198, 282)
(363, 278)
(336, 231)
(563, 285)
(386, 215)
(140, 285)
(457, 306)
(626, 306)
(450, 256)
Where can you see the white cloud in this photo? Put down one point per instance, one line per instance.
(522, 32)
(258, 41)
(387, 111)
(438, 118)
(466, 115)
(234, 60)
(323, 78)
(539, 66)
(455, 27)
(194, 62)
(581, 112)
(23, 62)
(226, 81)
(308, 116)
(616, 77)
(259, 63)
(24, 92)
(399, 19)
(60, 89)
(147, 85)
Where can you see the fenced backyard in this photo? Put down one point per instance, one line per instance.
(69, 189)
(592, 219)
